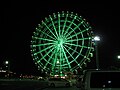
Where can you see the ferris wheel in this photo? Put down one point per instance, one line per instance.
(62, 43)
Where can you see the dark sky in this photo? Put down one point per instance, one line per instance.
(19, 20)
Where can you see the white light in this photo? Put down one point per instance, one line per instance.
(97, 38)
(109, 81)
(118, 56)
(56, 75)
(6, 62)
(58, 62)
(63, 77)
(2, 71)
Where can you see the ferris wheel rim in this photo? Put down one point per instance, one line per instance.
(57, 34)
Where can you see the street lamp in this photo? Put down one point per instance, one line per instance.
(118, 57)
(6, 62)
(97, 39)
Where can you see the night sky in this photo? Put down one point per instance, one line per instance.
(19, 19)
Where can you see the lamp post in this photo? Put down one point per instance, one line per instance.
(97, 39)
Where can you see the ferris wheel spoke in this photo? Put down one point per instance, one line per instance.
(78, 39)
(74, 60)
(43, 58)
(43, 50)
(53, 25)
(77, 45)
(71, 49)
(47, 35)
(69, 53)
(59, 23)
(46, 54)
(74, 35)
(75, 51)
(54, 61)
(50, 58)
(49, 29)
(64, 24)
(61, 59)
(45, 39)
(77, 33)
(43, 44)
(69, 26)
(77, 27)
(76, 63)
(66, 57)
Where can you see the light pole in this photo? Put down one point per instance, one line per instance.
(97, 39)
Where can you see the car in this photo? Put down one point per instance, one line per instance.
(58, 82)
(101, 80)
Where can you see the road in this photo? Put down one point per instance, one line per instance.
(22, 84)
(29, 85)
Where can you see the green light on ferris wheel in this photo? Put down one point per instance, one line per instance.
(62, 43)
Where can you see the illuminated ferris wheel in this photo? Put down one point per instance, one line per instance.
(62, 43)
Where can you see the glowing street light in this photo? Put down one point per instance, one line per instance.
(6, 62)
(97, 39)
(118, 56)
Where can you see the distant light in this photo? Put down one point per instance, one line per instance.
(2, 71)
(118, 56)
(56, 75)
(109, 81)
(97, 38)
(63, 77)
(58, 62)
(6, 62)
